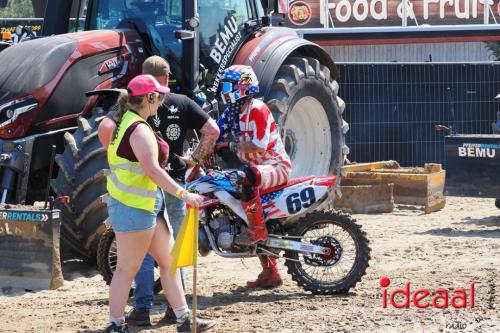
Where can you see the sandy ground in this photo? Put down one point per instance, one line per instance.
(447, 249)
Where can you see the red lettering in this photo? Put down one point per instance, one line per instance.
(384, 283)
(440, 298)
(416, 298)
(405, 292)
(459, 294)
(472, 295)
(384, 298)
(440, 294)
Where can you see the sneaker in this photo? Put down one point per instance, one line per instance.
(113, 328)
(169, 317)
(184, 325)
(138, 317)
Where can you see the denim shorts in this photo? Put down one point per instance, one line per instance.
(129, 219)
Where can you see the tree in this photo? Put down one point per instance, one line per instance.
(17, 9)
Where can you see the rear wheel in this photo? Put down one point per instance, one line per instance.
(82, 177)
(342, 267)
(305, 105)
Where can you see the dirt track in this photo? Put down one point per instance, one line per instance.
(447, 250)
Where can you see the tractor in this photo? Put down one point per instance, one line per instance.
(43, 99)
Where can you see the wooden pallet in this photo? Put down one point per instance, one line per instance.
(380, 185)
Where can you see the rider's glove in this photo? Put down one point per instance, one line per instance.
(237, 178)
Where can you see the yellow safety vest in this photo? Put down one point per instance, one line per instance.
(127, 181)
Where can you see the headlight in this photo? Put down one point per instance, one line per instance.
(11, 110)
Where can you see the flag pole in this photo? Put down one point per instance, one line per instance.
(195, 301)
(195, 272)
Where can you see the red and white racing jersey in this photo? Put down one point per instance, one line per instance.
(257, 125)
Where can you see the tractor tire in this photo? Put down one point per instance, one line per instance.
(107, 255)
(308, 111)
(82, 176)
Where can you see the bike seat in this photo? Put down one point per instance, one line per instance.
(290, 182)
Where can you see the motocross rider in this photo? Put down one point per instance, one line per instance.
(256, 141)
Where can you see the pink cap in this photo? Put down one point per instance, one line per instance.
(145, 84)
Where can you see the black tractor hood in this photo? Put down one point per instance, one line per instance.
(30, 65)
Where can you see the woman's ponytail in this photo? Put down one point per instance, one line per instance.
(123, 106)
(125, 102)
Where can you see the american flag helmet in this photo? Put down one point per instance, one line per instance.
(238, 81)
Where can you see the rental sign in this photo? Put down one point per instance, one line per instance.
(376, 13)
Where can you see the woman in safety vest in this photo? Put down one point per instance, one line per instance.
(136, 158)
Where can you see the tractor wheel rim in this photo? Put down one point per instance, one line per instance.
(307, 138)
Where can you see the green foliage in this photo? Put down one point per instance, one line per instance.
(17, 8)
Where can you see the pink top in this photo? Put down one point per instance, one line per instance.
(125, 149)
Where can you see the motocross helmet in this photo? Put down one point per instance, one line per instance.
(237, 83)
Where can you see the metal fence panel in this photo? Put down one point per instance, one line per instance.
(392, 107)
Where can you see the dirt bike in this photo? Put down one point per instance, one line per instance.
(326, 252)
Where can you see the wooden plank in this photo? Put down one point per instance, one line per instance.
(363, 199)
(371, 166)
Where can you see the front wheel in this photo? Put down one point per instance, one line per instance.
(107, 259)
(344, 265)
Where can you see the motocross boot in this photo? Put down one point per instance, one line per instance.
(269, 277)
(256, 232)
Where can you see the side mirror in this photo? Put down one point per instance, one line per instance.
(272, 6)
(266, 5)
(276, 7)
(3, 3)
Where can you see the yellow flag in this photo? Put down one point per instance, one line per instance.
(185, 251)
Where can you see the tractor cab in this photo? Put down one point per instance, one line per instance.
(206, 37)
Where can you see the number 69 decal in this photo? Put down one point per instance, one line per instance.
(296, 201)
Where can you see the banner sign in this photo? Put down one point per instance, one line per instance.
(10, 24)
(376, 13)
